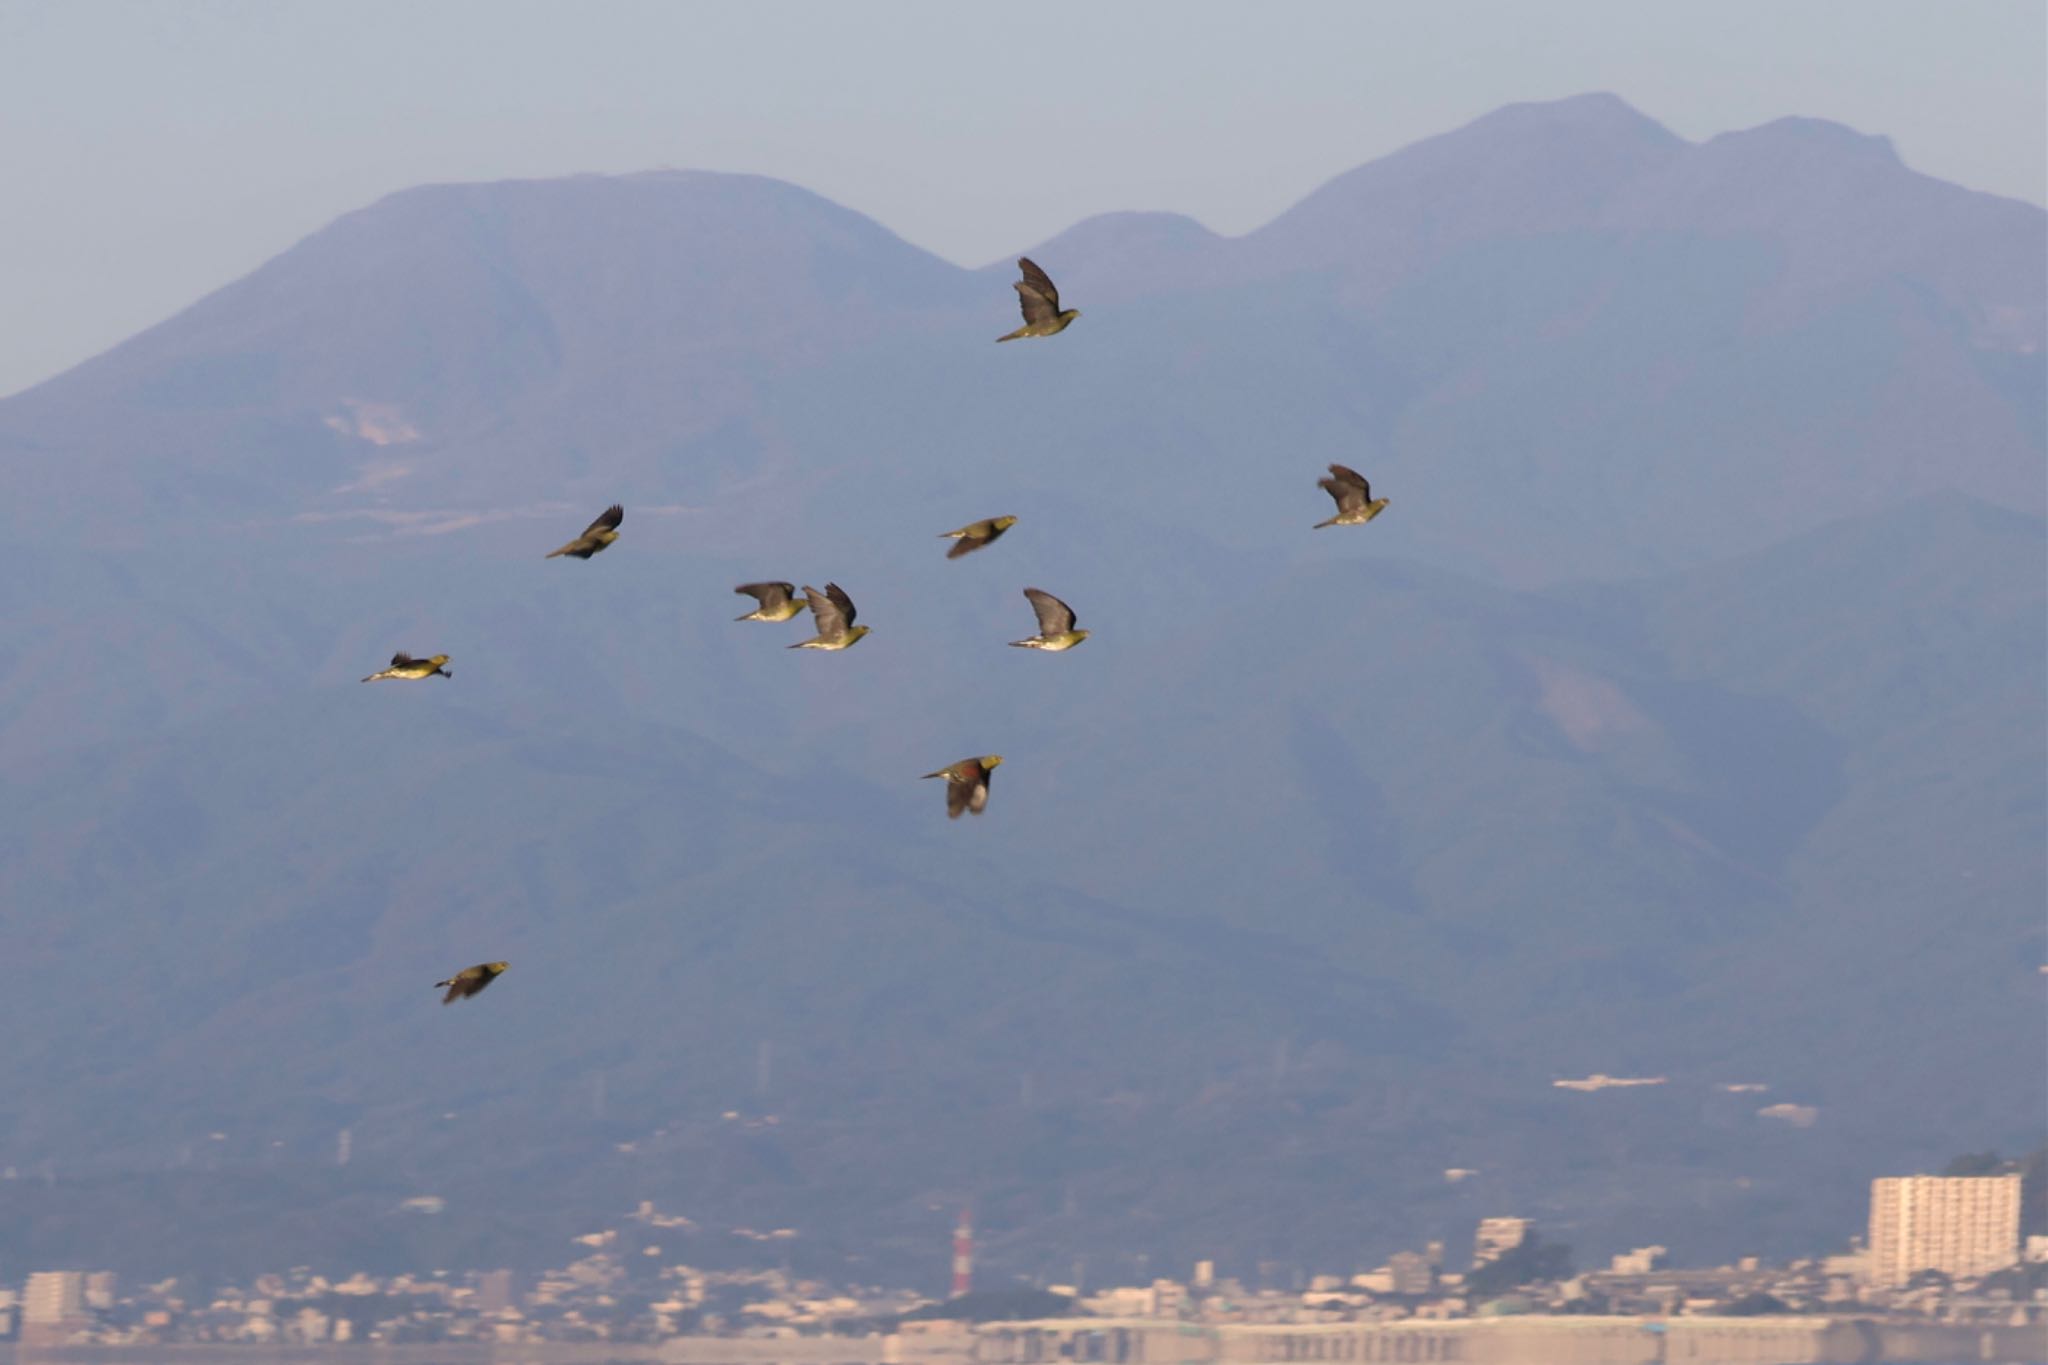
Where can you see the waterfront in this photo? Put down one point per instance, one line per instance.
(1521, 1340)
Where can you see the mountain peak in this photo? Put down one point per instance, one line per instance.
(1535, 167)
(1817, 135)
(1598, 112)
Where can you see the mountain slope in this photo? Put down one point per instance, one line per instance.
(1391, 857)
(1305, 877)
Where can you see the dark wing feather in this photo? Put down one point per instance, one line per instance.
(608, 521)
(1054, 616)
(1348, 487)
(1040, 282)
(843, 602)
(972, 786)
(958, 794)
(971, 538)
(1037, 308)
(768, 594)
(825, 612)
(400, 659)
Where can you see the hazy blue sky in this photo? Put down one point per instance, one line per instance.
(154, 151)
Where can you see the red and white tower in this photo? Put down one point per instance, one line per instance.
(963, 1253)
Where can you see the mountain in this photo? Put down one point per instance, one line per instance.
(1593, 347)
(1305, 877)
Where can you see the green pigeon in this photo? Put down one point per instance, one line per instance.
(833, 610)
(470, 980)
(596, 536)
(967, 784)
(1055, 624)
(779, 601)
(403, 665)
(972, 537)
(1355, 502)
(1040, 300)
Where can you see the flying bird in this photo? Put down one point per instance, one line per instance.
(967, 784)
(596, 536)
(1055, 623)
(1355, 502)
(833, 610)
(1040, 300)
(403, 665)
(470, 980)
(778, 601)
(972, 537)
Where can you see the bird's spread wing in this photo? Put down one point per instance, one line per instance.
(1054, 616)
(971, 787)
(768, 594)
(968, 539)
(958, 794)
(1037, 308)
(830, 619)
(843, 602)
(608, 521)
(1347, 486)
(400, 659)
(1346, 475)
(1041, 283)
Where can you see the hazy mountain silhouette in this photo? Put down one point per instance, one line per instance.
(1304, 877)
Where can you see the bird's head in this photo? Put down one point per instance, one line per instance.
(1079, 635)
(991, 761)
(854, 633)
(1004, 523)
(497, 967)
(438, 660)
(1070, 314)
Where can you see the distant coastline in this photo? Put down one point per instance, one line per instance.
(1519, 1340)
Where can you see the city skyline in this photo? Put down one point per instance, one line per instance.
(1972, 1279)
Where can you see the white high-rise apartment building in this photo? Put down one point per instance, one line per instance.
(53, 1296)
(1964, 1226)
